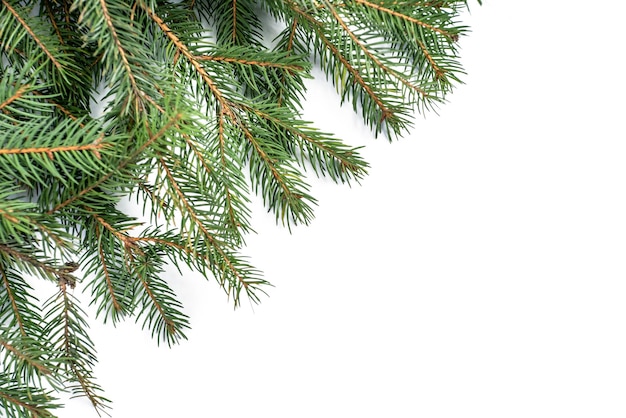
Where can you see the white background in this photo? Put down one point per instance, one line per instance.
(479, 271)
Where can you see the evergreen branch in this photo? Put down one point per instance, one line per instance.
(292, 35)
(236, 23)
(227, 267)
(32, 34)
(385, 10)
(94, 147)
(200, 259)
(111, 287)
(198, 154)
(439, 72)
(269, 163)
(372, 56)
(67, 328)
(30, 47)
(53, 21)
(182, 248)
(162, 310)
(117, 306)
(260, 73)
(24, 257)
(386, 112)
(21, 220)
(284, 189)
(428, 38)
(227, 179)
(314, 142)
(111, 262)
(223, 153)
(60, 238)
(182, 49)
(19, 401)
(160, 307)
(17, 217)
(62, 108)
(169, 330)
(290, 202)
(20, 98)
(115, 170)
(159, 205)
(191, 125)
(289, 49)
(65, 151)
(120, 49)
(66, 112)
(124, 56)
(243, 61)
(184, 205)
(26, 354)
(126, 240)
(10, 295)
(20, 91)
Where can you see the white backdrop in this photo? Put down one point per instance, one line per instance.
(479, 271)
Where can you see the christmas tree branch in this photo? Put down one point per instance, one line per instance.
(10, 296)
(22, 401)
(24, 355)
(199, 229)
(31, 32)
(67, 330)
(192, 124)
(111, 285)
(372, 56)
(120, 166)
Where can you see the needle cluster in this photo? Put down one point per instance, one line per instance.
(199, 112)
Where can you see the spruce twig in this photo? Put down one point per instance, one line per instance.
(184, 115)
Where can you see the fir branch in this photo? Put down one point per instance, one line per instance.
(10, 296)
(94, 148)
(244, 61)
(184, 50)
(223, 259)
(324, 153)
(18, 93)
(386, 113)
(161, 310)
(32, 34)
(203, 259)
(111, 287)
(115, 170)
(373, 56)
(284, 188)
(226, 175)
(22, 354)
(63, 150)
(191, 126)
(53, 21)
(28, 359)
(121, 52)
(17, 400)
(406, 17)
(236, 23)
(115, 302)
(67, 330)
(27, 258)
(288, 193)
(289, 93)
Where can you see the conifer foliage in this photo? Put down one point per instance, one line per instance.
(200, 112)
